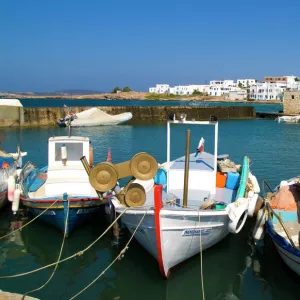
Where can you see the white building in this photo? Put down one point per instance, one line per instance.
(267, 91)
(222, 83)
(160, 89)
(246, 82)
(236, 95)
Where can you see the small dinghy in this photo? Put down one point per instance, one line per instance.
(9, 163)
(93, 117)
(185, 207)
(288, 119)
(280, 220)
(64, 180)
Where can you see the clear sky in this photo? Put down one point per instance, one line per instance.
(98, 44)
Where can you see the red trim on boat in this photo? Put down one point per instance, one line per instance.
(157, 207)
(278, 248)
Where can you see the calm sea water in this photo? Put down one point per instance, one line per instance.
(233, 269)
(88, 102)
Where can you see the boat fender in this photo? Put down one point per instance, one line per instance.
(11, 186)
(258, 232)
(252, 203)
(16, 200)
(64, 154)
(91, 157)
(254, 183)
(237, 213)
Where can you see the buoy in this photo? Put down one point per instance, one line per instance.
(252, 203)
(259, 232)
(11, 186)
(91, 158)
(64, 154)
(254, 183)
(237, 213)
(16, 201)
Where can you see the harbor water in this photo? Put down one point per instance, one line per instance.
(233, 269)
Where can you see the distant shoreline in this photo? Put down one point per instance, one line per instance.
(134, 96)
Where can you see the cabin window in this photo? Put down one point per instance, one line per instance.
(293, 97)
(74, 151)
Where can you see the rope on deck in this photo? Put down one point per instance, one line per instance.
(25, 225)
(79, 253)
(58, 258)
(120, 255)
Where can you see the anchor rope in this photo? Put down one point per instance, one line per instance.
(25, 225)
(201, 261)
(58, 258)
(119, 256)
(79, 253)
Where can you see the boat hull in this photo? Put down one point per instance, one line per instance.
(80, 211)
(177, 237)
(289, 255)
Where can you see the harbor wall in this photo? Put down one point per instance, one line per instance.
(49, 116)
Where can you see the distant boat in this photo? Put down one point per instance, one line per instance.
(93, 117)
(168, 222)
(288, 119)
(63, 179)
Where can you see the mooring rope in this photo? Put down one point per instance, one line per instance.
(79, 253)
(20, 228)
(201, 261)
(58, 258)
(120, 255)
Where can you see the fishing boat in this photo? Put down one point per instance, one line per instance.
(280, 220)
(288, 119)
(9, 164)
(184, 206)
(93, 117)
(62, 182)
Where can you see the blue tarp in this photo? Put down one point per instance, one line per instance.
(8, 160)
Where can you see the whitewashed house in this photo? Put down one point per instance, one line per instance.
(267, 91)
(221, 87)
(246, 82)
(160, 89)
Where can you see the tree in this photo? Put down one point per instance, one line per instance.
(116, 89)
(240, 85)
(126, 89)
(197, 93)
(297, 79)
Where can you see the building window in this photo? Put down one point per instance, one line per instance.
(293, 97)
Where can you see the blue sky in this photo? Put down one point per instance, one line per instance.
(97, 44)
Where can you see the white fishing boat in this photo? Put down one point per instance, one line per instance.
(288, 119)
(93, 117)
(186, 208)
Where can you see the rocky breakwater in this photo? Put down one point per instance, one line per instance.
(49, 116)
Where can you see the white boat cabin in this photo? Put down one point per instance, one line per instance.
(66, 173)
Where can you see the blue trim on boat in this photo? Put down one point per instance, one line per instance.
(244, 177)
(279, 240)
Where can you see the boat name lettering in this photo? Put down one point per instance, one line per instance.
(196, 231)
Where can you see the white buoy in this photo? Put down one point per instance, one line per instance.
(11, 186)
(259, 232)
(64, 154)
(237, 213)
(16, 201)
(254, 183)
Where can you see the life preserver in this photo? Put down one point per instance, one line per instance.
(11, 186)
(91, 158)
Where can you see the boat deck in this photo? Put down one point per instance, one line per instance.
(293, 229)
(200, 162)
